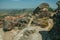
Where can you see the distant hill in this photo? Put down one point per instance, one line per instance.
(14, 11)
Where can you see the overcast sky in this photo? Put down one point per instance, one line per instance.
(20, 4)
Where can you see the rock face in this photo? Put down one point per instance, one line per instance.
(32, 32)
(28, 34)
(35, 36)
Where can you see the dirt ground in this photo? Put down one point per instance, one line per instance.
(7, 35)
(1, 34)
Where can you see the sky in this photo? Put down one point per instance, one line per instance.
(21, 4)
